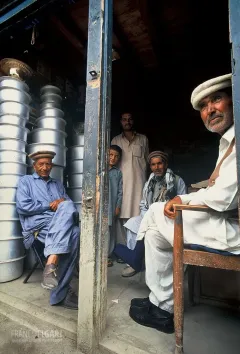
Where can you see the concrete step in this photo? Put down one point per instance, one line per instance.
(36, 318)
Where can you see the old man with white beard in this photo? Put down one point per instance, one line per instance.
(214, 229)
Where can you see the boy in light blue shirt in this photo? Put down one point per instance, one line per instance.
(115, 195)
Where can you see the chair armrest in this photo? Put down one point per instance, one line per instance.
(192, 207)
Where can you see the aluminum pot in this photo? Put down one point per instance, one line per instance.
(76, 152)
(48, 89)
(45, 105)
(12, 94)
(51, 123)
(47, 136)
(56, 172)
(74, 180)
(59, 158)
(9, 107)
(9, 180)
(8, 211)
(10, 228)
(14, 144)
(52, 112)
(11, 269)
(13, 119)
(8, 194)
(16, 168)
(11, 131)
(51, 97)
(7, 81)
(75, 194)
(78, 139)
(13, 156)
(76, 166)
(11, 248)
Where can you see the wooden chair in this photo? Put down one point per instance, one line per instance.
(181, 256)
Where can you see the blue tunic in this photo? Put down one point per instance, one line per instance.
(33, 198)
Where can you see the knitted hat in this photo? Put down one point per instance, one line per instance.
(160, 154)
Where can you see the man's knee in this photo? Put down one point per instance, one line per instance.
(68, 205)
(153, 239)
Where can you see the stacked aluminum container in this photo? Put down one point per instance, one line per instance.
(75, 170)
(14, 114)
(49, 133)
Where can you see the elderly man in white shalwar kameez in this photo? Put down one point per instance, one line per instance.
(213, 229)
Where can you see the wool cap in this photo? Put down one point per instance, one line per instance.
(209, 87)
(160, 154)
(42, 154)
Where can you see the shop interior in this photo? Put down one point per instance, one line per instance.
(161, 51)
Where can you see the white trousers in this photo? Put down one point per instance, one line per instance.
(158, 231)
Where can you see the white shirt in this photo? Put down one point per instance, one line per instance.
(222, 196)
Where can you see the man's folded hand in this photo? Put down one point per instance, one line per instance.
(54, 205)
(169, 209)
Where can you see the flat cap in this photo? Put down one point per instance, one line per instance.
(209, 87)
(42, 154)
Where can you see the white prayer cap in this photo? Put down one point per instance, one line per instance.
(209, 87)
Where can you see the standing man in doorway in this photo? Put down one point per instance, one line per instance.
(134, 167)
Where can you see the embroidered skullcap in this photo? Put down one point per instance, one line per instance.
(160, 154)
(42, 154)
(208, 87)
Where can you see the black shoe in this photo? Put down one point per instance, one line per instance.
(70, 301)
(50, 280)
(153, 317)
(145, 302)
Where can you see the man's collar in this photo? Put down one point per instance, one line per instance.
(134, 134)
(113, 167)
(229, 135)
(36, 176)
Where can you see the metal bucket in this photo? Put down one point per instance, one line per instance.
(47, 136)
(76, 152)
(75, 194)
(9, 107)
(8, 211)
(9, 180)
(59, 158)
(76, 166)
(51, 123)
(10, 228)
(11, 131)
(74, 180)
(11, 269)
(13, 156)
(15, 168)
(56, 173)
(51, 97)
(52, 112)
(8, 194)
(11, 248)
(78, 139)
(13, 119)
(49, 89)
(7, 81)
(45, 105)
(12, 94)
(12, 144)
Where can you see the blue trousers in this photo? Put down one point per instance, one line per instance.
(61, 236)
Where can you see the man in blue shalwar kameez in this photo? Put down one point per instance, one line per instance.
(48, 215)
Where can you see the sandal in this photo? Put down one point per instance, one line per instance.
(110, 262)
